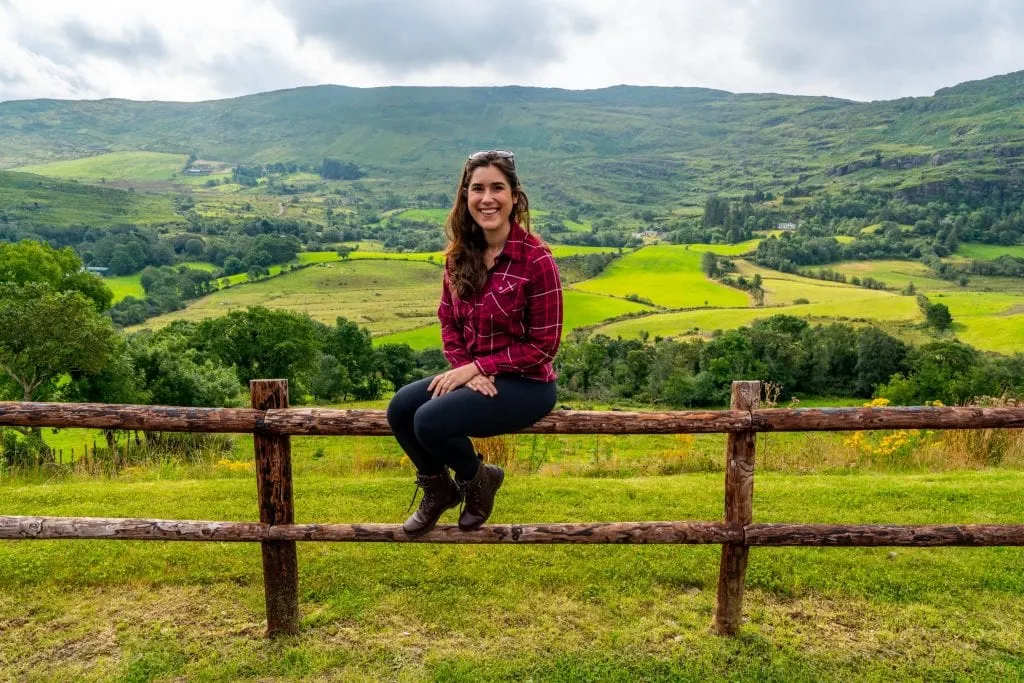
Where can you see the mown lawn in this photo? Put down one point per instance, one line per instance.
(166, 611)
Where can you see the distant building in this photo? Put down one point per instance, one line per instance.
(197, 170)
(786, 226)
(99, 270)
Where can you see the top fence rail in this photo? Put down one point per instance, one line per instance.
(332, 422)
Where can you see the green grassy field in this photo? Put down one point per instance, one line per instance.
(34, 200)
(737, 249)
(384, 296)
(101, 610)
(668, 276)
(684, 323)
(114, 166)
(783, 288)
(125, 285)
(987, 252)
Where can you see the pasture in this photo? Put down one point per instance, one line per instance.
(706, 321)
(114, 166)
(384, 296)
(669, 276)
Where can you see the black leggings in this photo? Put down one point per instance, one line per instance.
(434, 432)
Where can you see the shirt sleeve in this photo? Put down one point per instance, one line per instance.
(543, 324)
(451, 336)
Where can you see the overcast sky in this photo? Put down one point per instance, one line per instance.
(194, 50)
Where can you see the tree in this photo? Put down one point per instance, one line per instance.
(264, 344)
(45, 334)
(396, 363)
(939, 317)
(61, 269)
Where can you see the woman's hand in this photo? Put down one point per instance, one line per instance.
(482, 384)
(453, 379)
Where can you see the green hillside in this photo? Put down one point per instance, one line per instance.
(35, 201)
(613, 146)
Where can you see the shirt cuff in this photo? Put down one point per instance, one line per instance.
(487, 366)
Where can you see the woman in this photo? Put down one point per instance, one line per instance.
(501, 322)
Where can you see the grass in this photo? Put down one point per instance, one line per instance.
(783, 288)
(125, 285)
(384, 296)
(668, 276)
(141, 611)
(987, 252)
(704, 321)
(737, 249)
(114, 166)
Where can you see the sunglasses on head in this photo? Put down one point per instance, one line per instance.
(500, 153)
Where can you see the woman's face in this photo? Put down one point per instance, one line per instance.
(490, 197)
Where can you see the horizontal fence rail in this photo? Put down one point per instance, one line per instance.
(330, 422)
(272, 423)
(626, 533)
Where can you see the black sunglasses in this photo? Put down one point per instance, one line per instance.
(500, 153)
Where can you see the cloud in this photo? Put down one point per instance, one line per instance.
(879, 48)
(140, 44)
(406, 36)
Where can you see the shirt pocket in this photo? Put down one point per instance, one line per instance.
(507, 301)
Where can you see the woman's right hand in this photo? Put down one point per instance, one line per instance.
(482, 384)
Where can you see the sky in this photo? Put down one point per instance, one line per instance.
(190, 50)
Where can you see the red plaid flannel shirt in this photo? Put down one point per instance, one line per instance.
(513, 325)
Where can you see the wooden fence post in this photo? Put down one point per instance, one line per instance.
(739, 509)
(274, 487)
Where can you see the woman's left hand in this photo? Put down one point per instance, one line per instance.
(452, 380)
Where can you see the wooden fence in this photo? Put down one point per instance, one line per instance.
(273, 423)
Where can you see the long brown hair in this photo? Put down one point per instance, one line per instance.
(466, 244)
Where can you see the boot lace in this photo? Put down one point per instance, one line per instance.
(428, 493)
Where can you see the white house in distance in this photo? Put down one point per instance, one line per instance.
(785, 226)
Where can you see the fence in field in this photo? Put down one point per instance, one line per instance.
(273, 423)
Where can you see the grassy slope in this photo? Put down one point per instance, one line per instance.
(114, 166)
(149, 610)
(34, 200)
(668, 276)
(384, 296)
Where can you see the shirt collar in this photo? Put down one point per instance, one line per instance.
(515, 243)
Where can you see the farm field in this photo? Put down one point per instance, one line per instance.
(667, 275)
(987, 252)
(146, 610)
(125, 285)
(737, 249)
(705, 321)
(783, 288)
(384, 296)
(114, 166)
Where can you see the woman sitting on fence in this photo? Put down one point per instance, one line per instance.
(501, 322)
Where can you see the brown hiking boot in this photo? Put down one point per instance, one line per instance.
(479, 492)
(439, 494)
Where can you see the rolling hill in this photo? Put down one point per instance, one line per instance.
(615, 146)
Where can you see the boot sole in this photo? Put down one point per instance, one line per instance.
(501, 480)
(416, 534)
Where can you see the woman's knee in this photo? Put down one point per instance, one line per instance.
(403, 405)
(429, 424)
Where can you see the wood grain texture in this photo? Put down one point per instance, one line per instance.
(885, 535)
(84, 528)
(739, 510)
(274, 493)
(325, 421)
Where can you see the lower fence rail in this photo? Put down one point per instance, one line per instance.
(638, 533)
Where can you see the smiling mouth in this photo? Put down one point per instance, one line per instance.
(489, 212)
